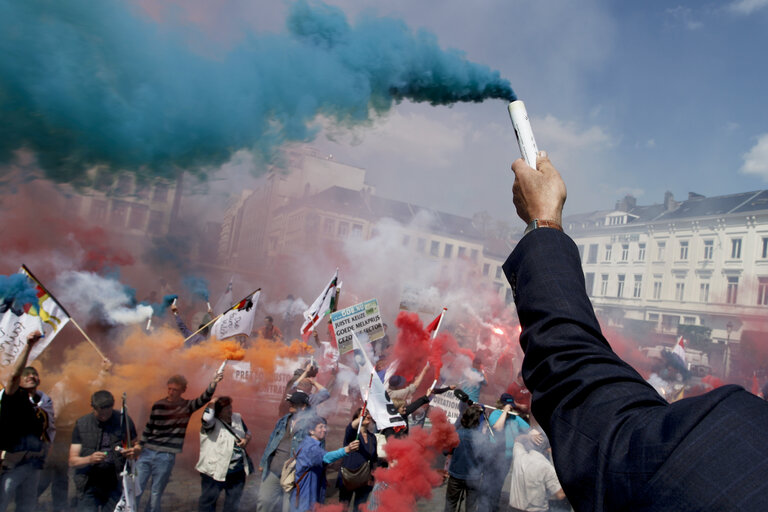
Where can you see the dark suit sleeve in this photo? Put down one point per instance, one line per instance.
(617, 444)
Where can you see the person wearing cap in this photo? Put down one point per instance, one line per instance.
(289, 431)
(98, 453)
(223, 463)
(26, 432)
(506, 426)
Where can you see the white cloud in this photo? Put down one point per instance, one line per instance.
(756, 159)
(748, 6)
(686, 17)
(568, 136)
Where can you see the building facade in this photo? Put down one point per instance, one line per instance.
(699, 262)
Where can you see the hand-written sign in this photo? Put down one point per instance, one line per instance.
(360, 318)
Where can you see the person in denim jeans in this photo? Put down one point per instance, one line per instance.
(163, 436)
(283, 443)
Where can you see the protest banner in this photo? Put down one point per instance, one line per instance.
(363, 318)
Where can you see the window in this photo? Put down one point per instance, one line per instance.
(328, 226)
(448, 251)
(608, 250)
(509, 297)
(689, 320)
(406, 240)
(357, 230)
(498, 272)
(155, 225)
(343, 230)
(762, 291)
(589, 282)
(434, 248)
(653, 317)
(704, 292)
(98, 210)
(709, 249)
(620, 289)
(421, 245)
(160, 194)
(657, 289)
(669, 322)
(732, 291)
(138, 218)
(462, 254)
(680, 291)
(473, 255)
(486, 269)
(661, 247)
(683, 250)
(624, 252)
(735, 248)
(580, 247)
(119, 214)
(604, 284)
(637, 290)
(641, 251)
(764, 253)
(592, 254)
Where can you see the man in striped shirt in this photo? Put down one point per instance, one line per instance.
(163, 437)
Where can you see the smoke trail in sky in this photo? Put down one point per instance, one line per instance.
(84, 84)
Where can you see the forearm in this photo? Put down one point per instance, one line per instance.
(12, 384)
(331, 457)
(567, 360)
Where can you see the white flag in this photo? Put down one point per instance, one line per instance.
(131, 489)
(323, 305)
(382, 410)
(238, 319)
(17, 322)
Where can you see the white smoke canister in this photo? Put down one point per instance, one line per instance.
(523, 132)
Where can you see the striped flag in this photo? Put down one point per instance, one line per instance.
(323, 305)
(679, 350)
(44, 314)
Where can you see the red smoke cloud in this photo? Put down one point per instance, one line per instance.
(410, 475)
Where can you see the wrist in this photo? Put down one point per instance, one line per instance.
(537, 223)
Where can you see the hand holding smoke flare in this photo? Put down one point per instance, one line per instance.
(523, 131)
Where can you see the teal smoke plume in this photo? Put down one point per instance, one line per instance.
(86, 83)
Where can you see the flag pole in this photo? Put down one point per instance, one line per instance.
(71, 319)
(88, 339)
(439, 323)
(221, 314)
(365, 405)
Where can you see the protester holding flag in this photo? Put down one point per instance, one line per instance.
(163, 436)
(355, 477)
(223, 463)
(98, 455)
(26, 430)
(192, 338)
(311, 460)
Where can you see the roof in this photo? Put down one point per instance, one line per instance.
(696, 206)
(363, 205)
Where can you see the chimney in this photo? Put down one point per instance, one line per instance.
(627, 204)
(694, 195)
(669, 201)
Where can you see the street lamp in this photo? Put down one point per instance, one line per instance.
(727, 364)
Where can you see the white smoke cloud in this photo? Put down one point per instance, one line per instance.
(756, 159)
(91, 297)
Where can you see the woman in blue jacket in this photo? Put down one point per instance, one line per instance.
(311, 459)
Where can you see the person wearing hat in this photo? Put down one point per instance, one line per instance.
(98, 454)
(290, 430)
(507, 425)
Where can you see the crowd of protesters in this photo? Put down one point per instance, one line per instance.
(291, 468)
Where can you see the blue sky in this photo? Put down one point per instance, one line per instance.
(627, 97)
